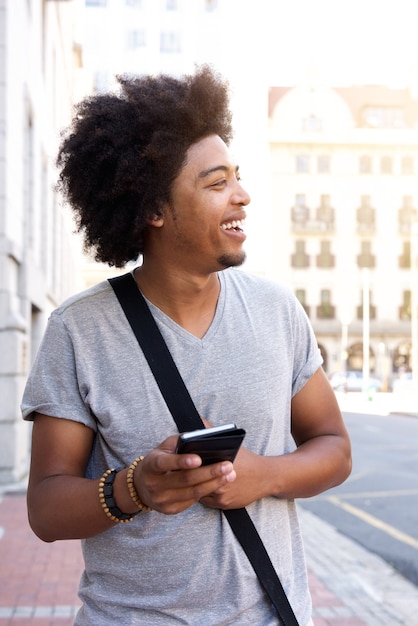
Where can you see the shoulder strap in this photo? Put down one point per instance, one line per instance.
(156, 352)
(187, 418)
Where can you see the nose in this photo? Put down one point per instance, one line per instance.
(241, 196)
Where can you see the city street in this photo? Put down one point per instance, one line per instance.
(378, 505)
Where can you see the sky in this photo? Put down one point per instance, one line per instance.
(337, 42)
(343, 42)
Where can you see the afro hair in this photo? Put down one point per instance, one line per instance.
(120, 155)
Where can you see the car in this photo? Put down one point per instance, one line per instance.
(353, 380)
(405, 382)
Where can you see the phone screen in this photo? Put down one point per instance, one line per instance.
(212, 444)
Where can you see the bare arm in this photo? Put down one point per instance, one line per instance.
(321, 461)
(63, 504)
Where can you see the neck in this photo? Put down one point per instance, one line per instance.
(189, 300)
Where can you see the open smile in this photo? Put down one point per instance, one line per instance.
(236, 225)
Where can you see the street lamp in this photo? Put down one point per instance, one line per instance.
(366, 327)
(345, 322)
(414, 303)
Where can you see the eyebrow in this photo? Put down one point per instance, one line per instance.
(217, 168)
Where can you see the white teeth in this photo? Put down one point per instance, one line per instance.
(234, 224)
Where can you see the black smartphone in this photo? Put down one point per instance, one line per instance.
(220, 443)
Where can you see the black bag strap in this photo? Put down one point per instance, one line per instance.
(187, 418)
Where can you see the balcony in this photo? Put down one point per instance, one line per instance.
(404, 261)
(372, 312)
(366, 220)
(300, 260)
(325, 260)
(312, 227)
(405, 312)
(325, 312)
(366, 260)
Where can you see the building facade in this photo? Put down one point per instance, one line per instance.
(39, 57)
(344, 166)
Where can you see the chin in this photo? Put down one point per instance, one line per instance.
(232, 260)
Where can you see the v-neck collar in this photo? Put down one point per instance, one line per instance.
(165, 320)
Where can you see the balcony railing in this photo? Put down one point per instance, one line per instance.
(313, 226)
(372, 312)
(325, 312)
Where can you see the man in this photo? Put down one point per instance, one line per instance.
(149, 172)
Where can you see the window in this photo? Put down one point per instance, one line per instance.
(312, 123)
(96, 3)
(325, 309)
(407, 215)
(135, 4)
(407, 165)
(325, 213)
(300, 259)
(372, 309)
(365, 215)
(300, 212)
(386, 165)
(170, 42)
(404, 261)
(302, 163)
(366, 258)
(102, 80)
(405, 308)
(402, 358)
(135, 39)
(28, 182)
(365, 165)
(301, 296)
(171, 5)
(325, 258)
(323, 164)
(383, 117)
(407, 202)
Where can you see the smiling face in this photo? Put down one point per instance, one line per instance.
(203, 226)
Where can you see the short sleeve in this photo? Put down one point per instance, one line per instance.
(307, 356)
(53, 387)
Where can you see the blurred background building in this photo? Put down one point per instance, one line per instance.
(331, 167)
(344, 173)
(40, 56)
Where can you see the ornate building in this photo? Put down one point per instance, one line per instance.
(344, 165)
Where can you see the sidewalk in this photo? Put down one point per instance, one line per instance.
(389, 403)
(350, 587)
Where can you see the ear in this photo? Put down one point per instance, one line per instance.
(156, 220)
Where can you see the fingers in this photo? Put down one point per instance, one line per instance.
(177, 498)
(190, 486)
(170, 483)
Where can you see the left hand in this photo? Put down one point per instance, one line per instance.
(248, 486)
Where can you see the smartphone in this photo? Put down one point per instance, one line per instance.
(220, 443)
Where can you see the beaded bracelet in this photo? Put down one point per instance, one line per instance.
(107, 500)
(131, 485)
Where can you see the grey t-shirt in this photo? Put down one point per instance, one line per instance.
(188, 568)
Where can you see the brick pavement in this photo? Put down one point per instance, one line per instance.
(369, 590)
(38, 581)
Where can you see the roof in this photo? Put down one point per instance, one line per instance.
(361, 98)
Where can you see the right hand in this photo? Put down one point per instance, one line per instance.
(170, 482)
